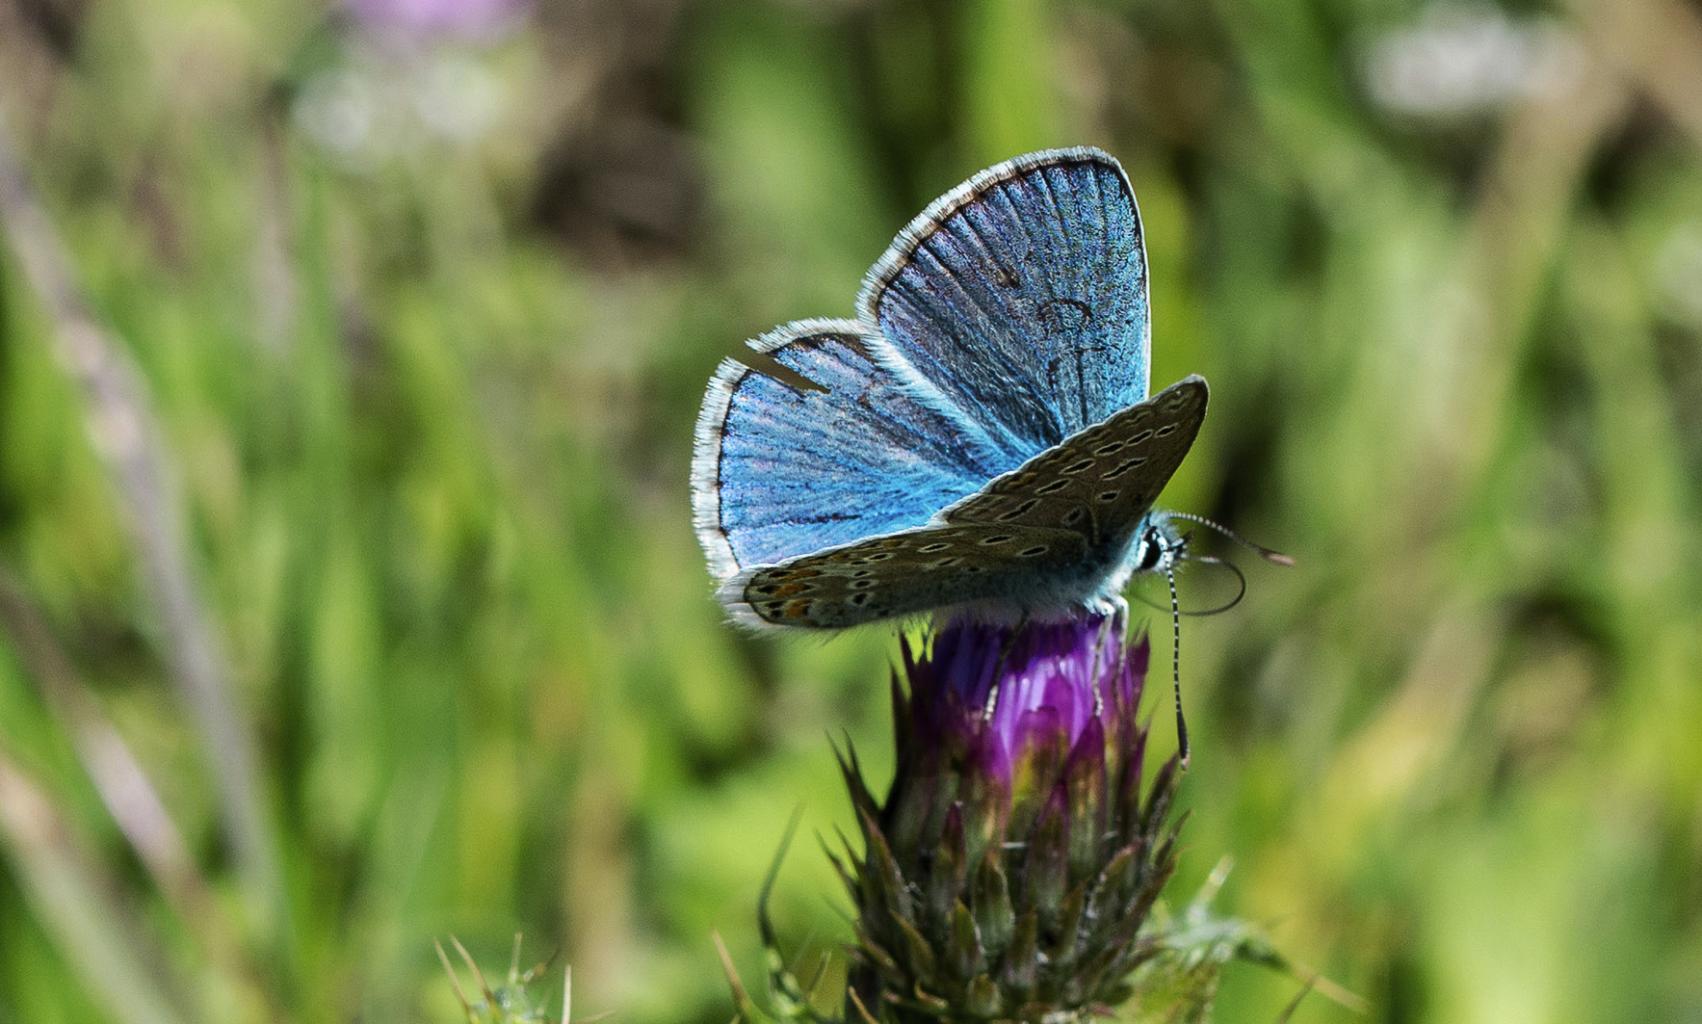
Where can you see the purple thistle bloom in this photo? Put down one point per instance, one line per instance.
(1066, 701)
(1011, 867)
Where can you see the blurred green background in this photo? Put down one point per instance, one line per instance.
(424, 294)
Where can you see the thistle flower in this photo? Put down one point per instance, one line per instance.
(1009, 871)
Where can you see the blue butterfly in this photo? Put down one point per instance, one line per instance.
(980, 435)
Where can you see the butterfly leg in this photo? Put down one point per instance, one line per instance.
(1106, 628)
(1113, 607)
(993, 693)
(1120, 610)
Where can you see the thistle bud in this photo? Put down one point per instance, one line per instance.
(1008, 872)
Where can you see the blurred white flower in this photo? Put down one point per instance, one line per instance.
(1459, 61)
(376, 104)
(456, 97)
(339, 108)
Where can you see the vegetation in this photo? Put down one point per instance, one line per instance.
(392, 627)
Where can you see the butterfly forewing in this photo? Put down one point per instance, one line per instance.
(1101, 481)
(1020, 297)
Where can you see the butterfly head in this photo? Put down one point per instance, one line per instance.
(1158, 545)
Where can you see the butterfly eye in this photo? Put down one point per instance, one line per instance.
(1151, 552)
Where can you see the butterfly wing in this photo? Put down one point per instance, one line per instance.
(1048, 534)
(1020, 297)
(902, 574)
(1101, 481)
(781, 470)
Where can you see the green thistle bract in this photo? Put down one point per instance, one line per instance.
(1009, 871)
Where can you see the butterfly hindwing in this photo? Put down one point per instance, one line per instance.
(786, 468)
(1101, 481)
(904, 574)
(1021, 297)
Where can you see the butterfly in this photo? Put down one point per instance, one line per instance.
(979, 435)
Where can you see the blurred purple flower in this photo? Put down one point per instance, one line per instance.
(465, 19)
(1010, 869)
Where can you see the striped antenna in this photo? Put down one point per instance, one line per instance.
(1182, 749)
(1276, 557)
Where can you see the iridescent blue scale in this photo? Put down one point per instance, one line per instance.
(980, 434)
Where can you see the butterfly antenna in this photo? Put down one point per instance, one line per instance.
(1182, 749)
(1276, 557)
